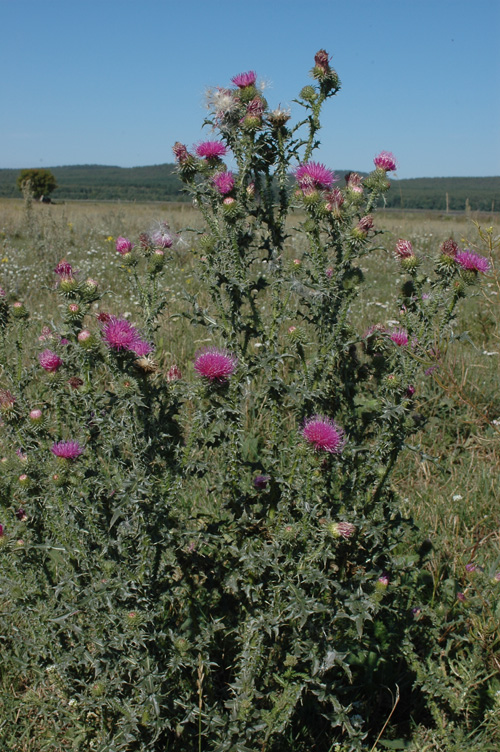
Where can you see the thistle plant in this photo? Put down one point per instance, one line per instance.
(214, 554)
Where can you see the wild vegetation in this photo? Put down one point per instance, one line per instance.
(249, 461)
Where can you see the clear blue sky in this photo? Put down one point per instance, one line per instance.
(117, 82)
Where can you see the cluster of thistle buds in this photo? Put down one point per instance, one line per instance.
(452, 260)
(241, 108)
(80, 295)
(468, 263)
(153, 246)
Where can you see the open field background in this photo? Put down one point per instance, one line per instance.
(448, 480)
(161, 183)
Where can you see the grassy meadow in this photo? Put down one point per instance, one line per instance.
(447, 479)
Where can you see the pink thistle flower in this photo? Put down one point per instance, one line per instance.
(385, 161)
(383, 580)
(50, 361)
(224, 182)
(119, 334)
(242, 80)
(399, 337)
(472, 261)
(354, 182)
(334, 199)
(211, 149)
(255, 108)
(324, 434)
(64, 269)
(449, 248)
(322, 60)
(141, 348)
(180, 152)
(162, 239)
(365, 223)
(313, 175)
(174, 373)
(123, 245)
(215, 364)
(404, 249)
(67, 450)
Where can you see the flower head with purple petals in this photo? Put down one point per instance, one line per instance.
(50, 361)
(123, 246)
(215, 364)
(211, 149)
(312, 175)
(404, 249)
(399, 337)
(242, 80)
(141, 348)
(385, 161)
(64, 269)
(120, 335)
(472, 261)
(67, 450)
(324, 434)
(223, 182)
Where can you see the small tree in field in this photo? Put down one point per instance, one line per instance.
(41, 182)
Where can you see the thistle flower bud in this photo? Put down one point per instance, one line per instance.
(449, 248)
(230, 208)
(156, 260)
(187, 163)
(308, 93)
(342, 529)
(89, 288)
(364, 225)
(18, 310)
(86, 339)
(383, 582)
(123, 246)
(74, 312)
(68, 284)
(410, 263)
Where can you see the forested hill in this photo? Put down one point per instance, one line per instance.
(160, 183)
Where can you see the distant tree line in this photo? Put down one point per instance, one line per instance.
(160, 183)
